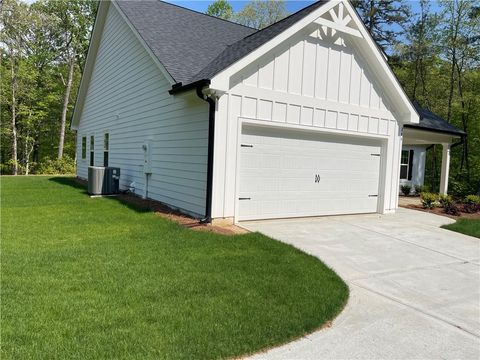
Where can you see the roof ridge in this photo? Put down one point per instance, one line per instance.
(315, 3)
(207, 15)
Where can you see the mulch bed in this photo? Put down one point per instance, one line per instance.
(439, 211)
(167, 212)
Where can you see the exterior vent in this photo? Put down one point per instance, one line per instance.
(103, 180)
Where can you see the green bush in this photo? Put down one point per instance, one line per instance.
(471, 203)
(445, 200)
(66, 165)
(421, 189)
(405, 189)
(429, 200)
(5, 169)
(461, 188)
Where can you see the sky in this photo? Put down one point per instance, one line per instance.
(201, 5)
(292, 5)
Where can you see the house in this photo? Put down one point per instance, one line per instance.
(417, 138)
(222, 121)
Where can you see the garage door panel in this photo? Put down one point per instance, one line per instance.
(290, 173)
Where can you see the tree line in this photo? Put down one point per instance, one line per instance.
(433, 49)
(43, 49)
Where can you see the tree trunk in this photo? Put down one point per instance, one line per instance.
(66, 98)
(464, 122)
(452, 81)
(14, 119)
(415, 81)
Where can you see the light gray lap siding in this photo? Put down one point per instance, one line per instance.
(128, 98)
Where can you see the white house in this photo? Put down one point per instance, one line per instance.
(418, 138)
(222, 121)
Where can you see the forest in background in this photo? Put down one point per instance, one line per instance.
(433, 48)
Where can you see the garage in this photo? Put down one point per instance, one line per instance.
(289, 173)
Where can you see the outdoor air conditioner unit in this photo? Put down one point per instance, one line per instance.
(103, 180)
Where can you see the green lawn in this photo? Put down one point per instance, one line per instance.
(465, 226)
(86, 278)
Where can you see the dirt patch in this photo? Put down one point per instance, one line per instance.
(167, 212)
(439, 211)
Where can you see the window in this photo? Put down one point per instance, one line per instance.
(92, 150)
(406, 165)
(105, 149)
(84, 147)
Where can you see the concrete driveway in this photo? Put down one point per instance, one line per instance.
(414, 288)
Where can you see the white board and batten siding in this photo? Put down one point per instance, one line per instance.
(128, 99)
(306, 84)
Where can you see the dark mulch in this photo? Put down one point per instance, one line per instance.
(440, 211)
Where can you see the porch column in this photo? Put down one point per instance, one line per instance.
(445, 168)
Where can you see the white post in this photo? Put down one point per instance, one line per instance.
(445, 168)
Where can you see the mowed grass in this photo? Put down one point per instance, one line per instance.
(91, 278)
(465, 226)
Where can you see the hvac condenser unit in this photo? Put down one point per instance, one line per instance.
(103, 180)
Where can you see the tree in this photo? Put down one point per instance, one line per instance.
(458, 30)
(221, 9)
(73, 20)
(16, 39)
(260, 14)
(420, 51)
(381, 17)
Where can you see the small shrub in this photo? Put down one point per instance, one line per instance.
(445, 200)
(405, 189)
(471, 203)
(451, 209)
(429, 200)
(66, 165)
(421, 189)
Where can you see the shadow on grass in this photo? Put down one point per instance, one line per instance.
(132, 202)
(69, 181)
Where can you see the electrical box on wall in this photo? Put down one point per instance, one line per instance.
(147, 156)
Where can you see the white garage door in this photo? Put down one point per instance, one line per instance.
(291, 174)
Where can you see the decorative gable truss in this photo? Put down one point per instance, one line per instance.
(338, 23)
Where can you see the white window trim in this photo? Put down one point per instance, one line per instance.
(407, 164)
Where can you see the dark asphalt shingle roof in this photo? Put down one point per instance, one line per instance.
(245, 46)
(184, 41)
(431, 121)
(193, 46)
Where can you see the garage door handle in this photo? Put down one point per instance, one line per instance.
(246, 145)
(244, 198)
(372, 195)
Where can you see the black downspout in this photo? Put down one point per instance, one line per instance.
(211, 142)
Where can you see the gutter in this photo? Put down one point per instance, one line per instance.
(422, 128)
(198, 86)
(458, 143)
